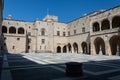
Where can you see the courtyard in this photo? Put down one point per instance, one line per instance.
(48, 66)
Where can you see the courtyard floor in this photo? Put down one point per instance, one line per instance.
(48, 66)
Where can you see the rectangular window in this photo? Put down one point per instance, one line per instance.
(68, 33)
(74, 31)
(58, 33)
(63, 33)
(83, 30)
(29, 40)
(28, 47)
(43, 41)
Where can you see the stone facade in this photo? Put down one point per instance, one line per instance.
(95, 33)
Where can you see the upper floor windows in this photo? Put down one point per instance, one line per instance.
(43, 41)
(116, 22)
(96, 27)
(43, 32)
(12, 30)
(74, 31)
(4, 29)
(58, 33)
(83, 29)
(64, 34)
(68, 33)
(21, 31)
(105, 24)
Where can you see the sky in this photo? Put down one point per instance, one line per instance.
(66, 10)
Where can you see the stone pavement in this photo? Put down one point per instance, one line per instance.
(46, 66)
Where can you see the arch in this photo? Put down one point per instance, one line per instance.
(64, 49)
(43, 31)
(115, 44)
(69, 48)
(99, 45)
(58, 49)
(105, 24)
(4, 29)
(12, 30)
(96, 27)
(116, 22)
(75, 47)
(21, 30)
(84, 47)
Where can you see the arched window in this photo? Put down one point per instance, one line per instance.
(105, 24)
(21, 31)
(12, 30)
(58, 49)
(43, 32)
(116, 22)
(4, 29)
(96, 27)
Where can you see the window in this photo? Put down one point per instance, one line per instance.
(83, 30)
(29, 40)
(74, 31)
(68, 33)
(58, 33)
(13, 47)
(63, 33)
(18, 38)
(4, 38)
(43, 32)
(43, 41)
(28, 47)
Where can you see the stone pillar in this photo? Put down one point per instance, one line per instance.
(117, 52)
(67, 49)
(110, 23)
(100, 24)
(61, 49)
(16, 30)
(107, 48)
(72, 49)
(93, 52)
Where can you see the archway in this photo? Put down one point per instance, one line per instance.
(21, 31)
(12, 30)
(115, 44)
(75, 47)
(99, 45)
(84, 47)
(69, 47)
(116, 22)
(58, 49)
(64, 49)
(96, 27)
(4, 29)
(105, 24)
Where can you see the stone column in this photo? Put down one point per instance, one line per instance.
(110, 23)
(72, 49)
(16, 30)
(61, 49)
(100, 25)
(93, 52)
(107, 48)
